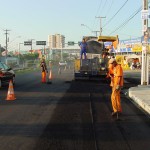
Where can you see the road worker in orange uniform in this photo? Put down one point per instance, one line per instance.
(110, 73)
(44, 70)
(116, 83)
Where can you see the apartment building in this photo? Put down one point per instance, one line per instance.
(56, 41)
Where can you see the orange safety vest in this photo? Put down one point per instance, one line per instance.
(118, 73)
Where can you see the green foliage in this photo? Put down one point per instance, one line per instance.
(65, 55)
(29, 56)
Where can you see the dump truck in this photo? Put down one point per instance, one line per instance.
(96, 64)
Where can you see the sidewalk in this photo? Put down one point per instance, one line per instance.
(141, 96)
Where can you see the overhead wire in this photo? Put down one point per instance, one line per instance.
(99, 7)
(125, 22)
(111, 4)
(131, 17)
(115, 14)
(104, 3)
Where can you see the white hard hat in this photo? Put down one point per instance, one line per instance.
(112, 60)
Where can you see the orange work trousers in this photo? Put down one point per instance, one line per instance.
(115, 100)
(43, 76)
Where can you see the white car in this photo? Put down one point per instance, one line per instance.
(63, 63)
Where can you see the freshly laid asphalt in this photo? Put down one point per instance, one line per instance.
(141, 96)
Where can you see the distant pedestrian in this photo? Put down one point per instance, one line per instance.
(43, 70)
(83, 46)
(117, 83)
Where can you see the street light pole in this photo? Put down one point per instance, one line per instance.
(14, 39)
(90, 29)
(144, 69)
(19, 51)
(86, 27)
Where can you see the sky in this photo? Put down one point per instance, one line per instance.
(36, 19)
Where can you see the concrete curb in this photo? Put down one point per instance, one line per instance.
(141, 96)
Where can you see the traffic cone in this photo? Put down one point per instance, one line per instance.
(10, 94)
(50, 77)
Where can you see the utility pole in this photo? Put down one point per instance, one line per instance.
(95, 32)
(100, 24)
(31, 44)
(144, 69)
(6, 32)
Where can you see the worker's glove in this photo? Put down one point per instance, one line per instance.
(118, 87)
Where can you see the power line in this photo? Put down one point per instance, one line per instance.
(97, 13)
(124, 23)
(111, 4)
(1, 28)
(99, 7)
(105, 3)
(131, 17)
(115, 14)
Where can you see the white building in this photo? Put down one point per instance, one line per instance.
(56, 41)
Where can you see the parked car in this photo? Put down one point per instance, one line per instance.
(6, 74)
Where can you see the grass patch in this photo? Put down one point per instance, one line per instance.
(27, 70)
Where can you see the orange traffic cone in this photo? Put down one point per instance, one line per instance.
(50, 77)
(10, 94)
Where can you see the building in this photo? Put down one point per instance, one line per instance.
(56, 41)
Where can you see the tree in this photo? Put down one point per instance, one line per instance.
(2, 49)
(30, 56)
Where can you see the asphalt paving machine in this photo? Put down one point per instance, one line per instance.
(96, 64)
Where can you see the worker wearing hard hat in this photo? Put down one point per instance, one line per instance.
(117, 83)
(43, 70)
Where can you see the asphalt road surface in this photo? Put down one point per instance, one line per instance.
(69, 115)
